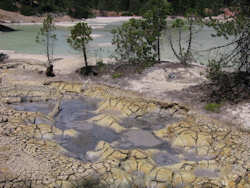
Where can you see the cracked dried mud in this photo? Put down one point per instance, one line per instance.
(58, 134)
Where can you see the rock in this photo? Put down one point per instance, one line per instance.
(120, 177)
(171, 76)
(93, 156)
(145, 166)
(185, 139)
(3, 119)
(161, 174)
(4, 28)
(187, 177)
(2, 58)
(66, 87)
(138, 154)
(71, 133)
(11, 100)
(5, 21)
(62, 184)
(108, 121)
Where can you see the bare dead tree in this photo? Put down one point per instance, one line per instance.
(184, 55)
(233, 85)
(244, 49)
(239, 56)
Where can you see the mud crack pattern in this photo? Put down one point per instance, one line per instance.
(159, 144)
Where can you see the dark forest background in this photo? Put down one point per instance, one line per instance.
(84, 8)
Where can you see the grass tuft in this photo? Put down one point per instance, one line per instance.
(117, 75)
(213, 107)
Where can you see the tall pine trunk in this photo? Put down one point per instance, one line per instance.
(158, 49)
(50, 68)
(87, 70)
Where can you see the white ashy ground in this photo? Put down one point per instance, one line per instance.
(241, 114)
(98, 22)
(62, 64)
(161, 80)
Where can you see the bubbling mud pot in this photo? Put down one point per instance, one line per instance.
(69, 134)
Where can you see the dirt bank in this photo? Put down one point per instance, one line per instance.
(16, 17)
(8, 17)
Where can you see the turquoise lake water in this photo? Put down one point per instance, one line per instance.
(23, 41)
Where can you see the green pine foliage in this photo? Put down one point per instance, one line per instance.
(82, 8)
(134, 42)
(138, 40)
(79, 38)
(8, 5)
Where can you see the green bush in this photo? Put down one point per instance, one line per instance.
(134, 42)
(100, 64)
(214, 70)
(3, 57)
(117, 75)
(213, 107)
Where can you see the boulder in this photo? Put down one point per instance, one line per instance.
(4, 28)
(3, 57)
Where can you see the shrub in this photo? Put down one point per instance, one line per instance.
(134, 42)
(100, 63)
(213, 107)
(214, 70)
(3, 57)
(117, 75)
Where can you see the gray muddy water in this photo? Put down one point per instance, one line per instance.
(74, 115)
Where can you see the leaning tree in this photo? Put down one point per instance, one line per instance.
(236, 26)
(233, 84)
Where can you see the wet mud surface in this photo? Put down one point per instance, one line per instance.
(74, 115)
